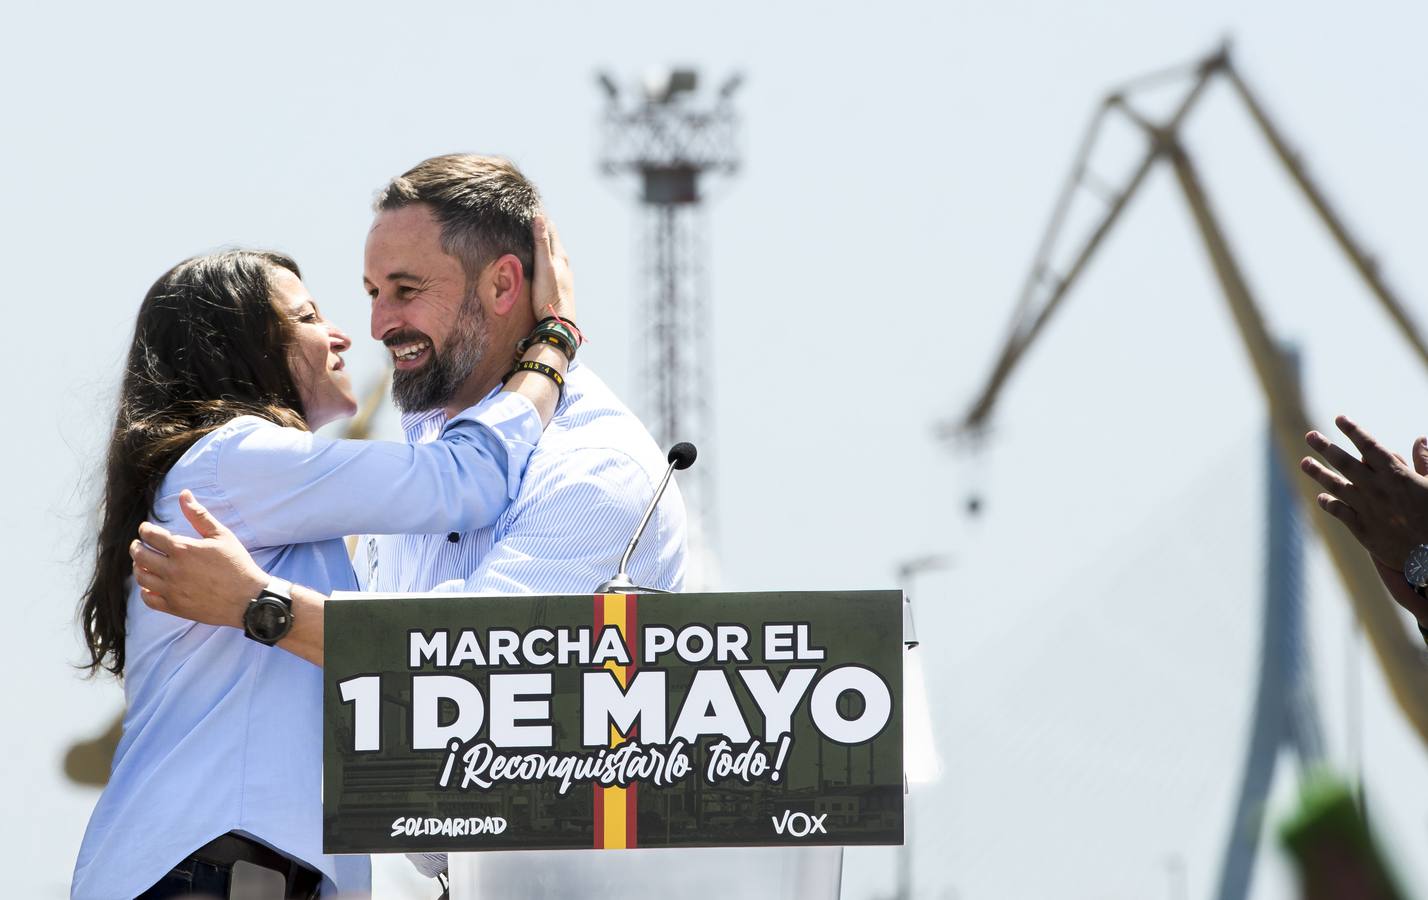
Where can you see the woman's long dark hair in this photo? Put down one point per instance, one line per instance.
(208, 345)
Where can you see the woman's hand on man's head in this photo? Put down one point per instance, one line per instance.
(552, 283)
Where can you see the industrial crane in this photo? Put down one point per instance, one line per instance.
(1285, 710)
(1045, 291)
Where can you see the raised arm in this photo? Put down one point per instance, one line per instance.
(568, 542)
(276, 486)
(1382, 499)
(552, 296)
(211, 579)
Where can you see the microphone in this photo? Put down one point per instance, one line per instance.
(681, 456)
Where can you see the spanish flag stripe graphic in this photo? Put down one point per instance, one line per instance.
(632, 808)
(599, 791)
(615, 807)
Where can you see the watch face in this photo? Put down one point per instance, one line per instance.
(267, 619)
(1416, 568)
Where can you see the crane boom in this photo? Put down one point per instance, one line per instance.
(1404, 666)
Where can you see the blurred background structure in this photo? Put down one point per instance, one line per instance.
(1285, 712)
(1093, 655)
(673, 142)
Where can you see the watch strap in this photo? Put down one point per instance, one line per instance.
(280, 588)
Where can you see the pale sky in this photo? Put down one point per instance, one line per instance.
(1091, 652)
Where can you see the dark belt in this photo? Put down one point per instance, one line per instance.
(300, 881)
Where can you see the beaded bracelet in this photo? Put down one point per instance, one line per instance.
(543, 337)
(569, 325)
(551, 331)
(563, 327)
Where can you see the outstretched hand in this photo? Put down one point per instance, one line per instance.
(209, 579)
(1380, 498)
(552, 283)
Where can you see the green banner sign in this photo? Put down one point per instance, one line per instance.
(465, 723)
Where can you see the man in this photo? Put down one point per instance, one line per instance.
(1382, 500)
(447, 268)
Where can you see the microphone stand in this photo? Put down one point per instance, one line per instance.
(681, 456)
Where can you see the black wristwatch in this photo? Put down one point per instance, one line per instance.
(269, 616)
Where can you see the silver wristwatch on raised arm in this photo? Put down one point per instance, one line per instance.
(1415, 569)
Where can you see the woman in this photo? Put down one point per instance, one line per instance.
(231, 368)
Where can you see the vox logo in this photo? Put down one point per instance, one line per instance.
(798, 824)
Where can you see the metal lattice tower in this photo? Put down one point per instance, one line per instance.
(664, 135)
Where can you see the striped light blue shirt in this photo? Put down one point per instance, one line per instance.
(222, 733)
(586, 485)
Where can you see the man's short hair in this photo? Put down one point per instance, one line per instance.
(483, 204)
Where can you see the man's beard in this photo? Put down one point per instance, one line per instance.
(436, 383)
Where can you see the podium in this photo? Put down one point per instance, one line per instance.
(716, 744)
(754, 873)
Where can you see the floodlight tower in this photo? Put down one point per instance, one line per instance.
(667, 136)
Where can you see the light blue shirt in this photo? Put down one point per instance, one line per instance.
(585, 488)
(222, 733)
